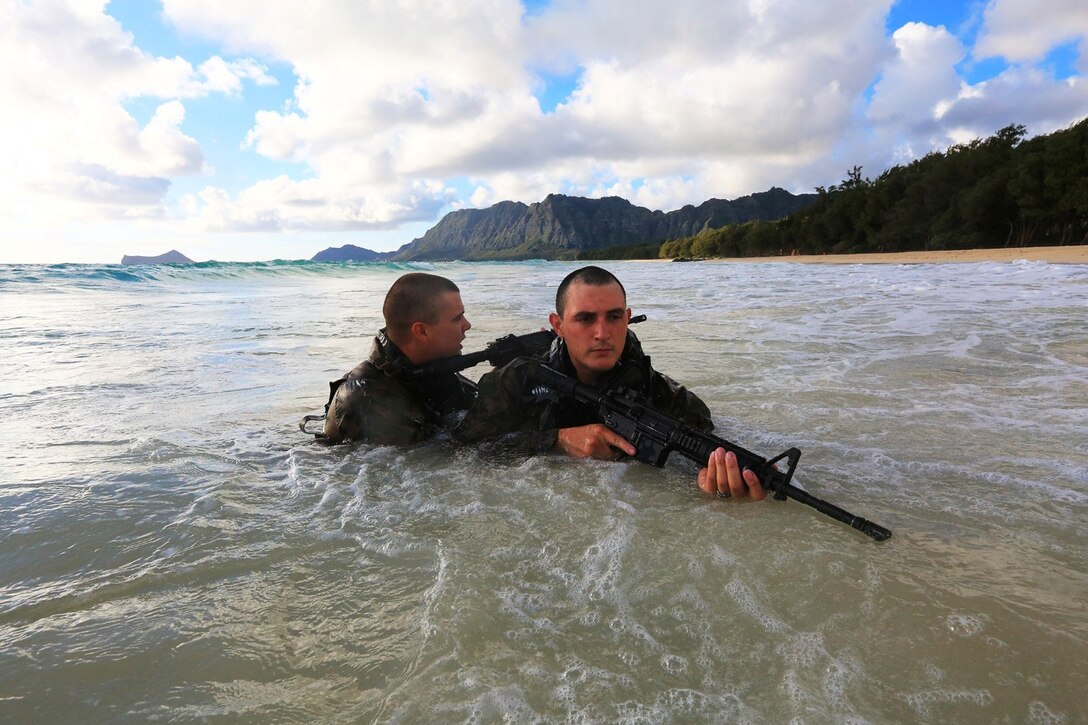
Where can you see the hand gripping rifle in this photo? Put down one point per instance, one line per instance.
(655, 435)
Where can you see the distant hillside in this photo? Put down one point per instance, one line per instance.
(350, 253)
(563, 227)
(1001, 191)
(171, 257)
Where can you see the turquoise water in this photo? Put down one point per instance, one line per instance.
(175, 549)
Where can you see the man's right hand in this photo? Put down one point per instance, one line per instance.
(593, 441)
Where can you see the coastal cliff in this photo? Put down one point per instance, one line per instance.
(562, 226)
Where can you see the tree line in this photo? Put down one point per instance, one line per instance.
(997, 192)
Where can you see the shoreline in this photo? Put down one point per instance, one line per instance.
(1054, 255)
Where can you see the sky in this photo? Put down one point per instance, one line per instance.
(253, 130)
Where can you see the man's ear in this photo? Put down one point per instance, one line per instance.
(419, 331)
(557, 323)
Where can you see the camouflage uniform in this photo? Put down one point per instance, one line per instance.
(512, 415)
(380, 402)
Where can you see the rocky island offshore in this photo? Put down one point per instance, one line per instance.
(171, 257)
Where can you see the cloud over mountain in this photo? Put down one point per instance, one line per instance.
(393, 112)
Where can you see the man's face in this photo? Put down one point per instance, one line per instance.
(594, 327)
(446, 333)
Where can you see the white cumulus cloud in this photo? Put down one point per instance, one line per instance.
(1024, 30)
(67, 72)
(408, 95)
(403, 108)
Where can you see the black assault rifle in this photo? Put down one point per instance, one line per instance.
(655, 435)
(498, 352)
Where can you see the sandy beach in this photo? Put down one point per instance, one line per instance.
(1055, 255)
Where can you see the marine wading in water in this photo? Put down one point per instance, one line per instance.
(380, 400)
(405, 393)
(594, 394)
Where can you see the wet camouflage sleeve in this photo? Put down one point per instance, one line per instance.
(506, 415)
(375, 411)
(670, 397)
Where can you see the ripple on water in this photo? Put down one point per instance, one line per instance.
(169, 532)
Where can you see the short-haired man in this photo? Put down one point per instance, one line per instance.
(380, 401)
(594, 345)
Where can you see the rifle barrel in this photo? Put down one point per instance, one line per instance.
(773, 479)
(623, 408)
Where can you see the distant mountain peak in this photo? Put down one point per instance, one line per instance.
(561, 226)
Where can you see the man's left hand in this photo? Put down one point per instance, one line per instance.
(724, 477)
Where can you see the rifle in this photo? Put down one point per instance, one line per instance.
(655, 435)
(498, 352)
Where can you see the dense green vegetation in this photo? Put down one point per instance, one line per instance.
(631, 251)
(995, 192)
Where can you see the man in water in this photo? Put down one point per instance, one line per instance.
(595, 346)
(380, 401)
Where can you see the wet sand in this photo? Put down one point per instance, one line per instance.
(1055, 255)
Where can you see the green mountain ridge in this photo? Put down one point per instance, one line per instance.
(566, 227)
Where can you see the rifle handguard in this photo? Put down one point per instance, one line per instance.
(655, 435)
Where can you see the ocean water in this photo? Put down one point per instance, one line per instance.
(174, 549)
